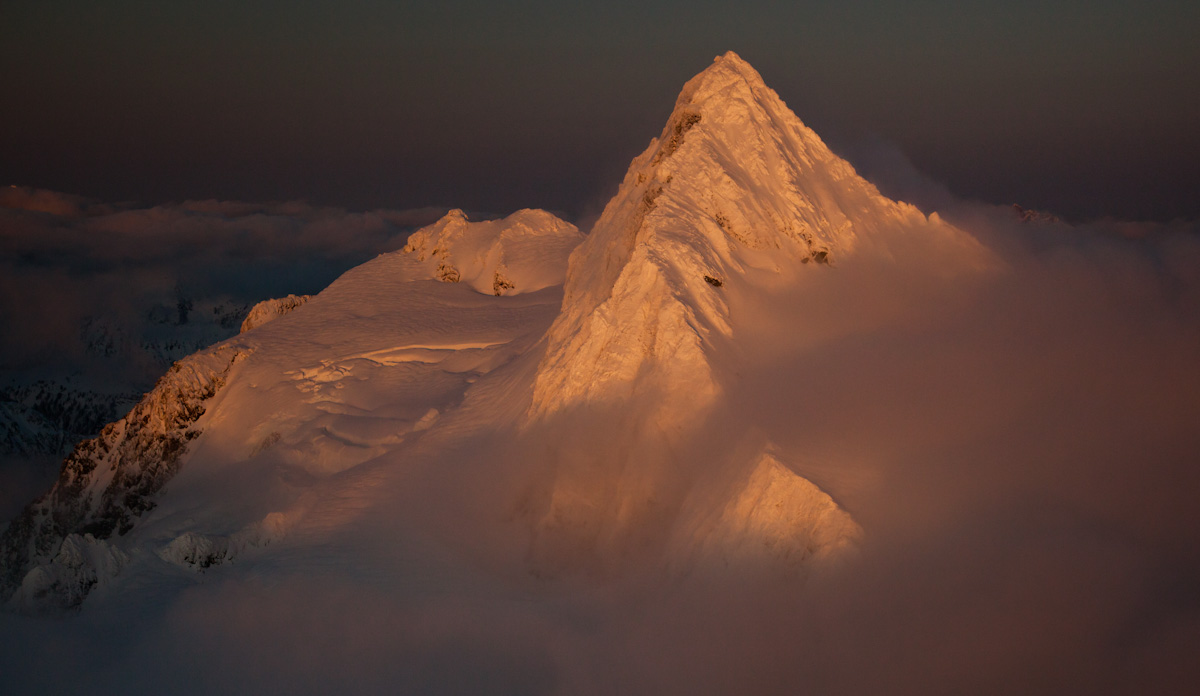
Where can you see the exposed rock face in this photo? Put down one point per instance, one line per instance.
(108, 482)
(44, 413)
(267, 310)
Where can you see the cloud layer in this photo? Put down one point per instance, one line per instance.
(64, 259)
(1021, 451)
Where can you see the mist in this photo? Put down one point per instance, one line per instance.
(1019, 447)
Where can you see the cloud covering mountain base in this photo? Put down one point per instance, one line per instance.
(1020, 453)
(1015, 438)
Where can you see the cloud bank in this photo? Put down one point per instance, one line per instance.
(64, 259)
(1021, 451)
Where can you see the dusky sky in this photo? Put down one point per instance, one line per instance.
(1086, 109)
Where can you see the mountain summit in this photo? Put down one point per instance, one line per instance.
(480, 407)
(735, 184)
(735, 193)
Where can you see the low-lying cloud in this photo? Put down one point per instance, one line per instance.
(1022, 454)
(1020, 450)
(64, 259)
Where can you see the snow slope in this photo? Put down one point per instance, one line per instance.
(476, 410)
(524, 252)
(371, 363)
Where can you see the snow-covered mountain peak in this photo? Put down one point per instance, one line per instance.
(523, 252)
(727, 74)
(548, 433)
(736, 186)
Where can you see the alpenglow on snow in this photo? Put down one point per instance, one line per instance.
(499, 400)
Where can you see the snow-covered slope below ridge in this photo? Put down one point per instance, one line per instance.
(358, 371)
(451, 408)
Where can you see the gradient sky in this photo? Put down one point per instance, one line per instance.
(1087, 109)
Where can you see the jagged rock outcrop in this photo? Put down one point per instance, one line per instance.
(1030, 216)
(108, 482)
(199, 552)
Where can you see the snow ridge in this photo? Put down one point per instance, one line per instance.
(267, 310)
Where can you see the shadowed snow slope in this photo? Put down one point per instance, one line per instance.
(452, 418)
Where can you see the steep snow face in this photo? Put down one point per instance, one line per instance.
(735, 193)
(735, 185)
(734, 199)
(524, 252)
